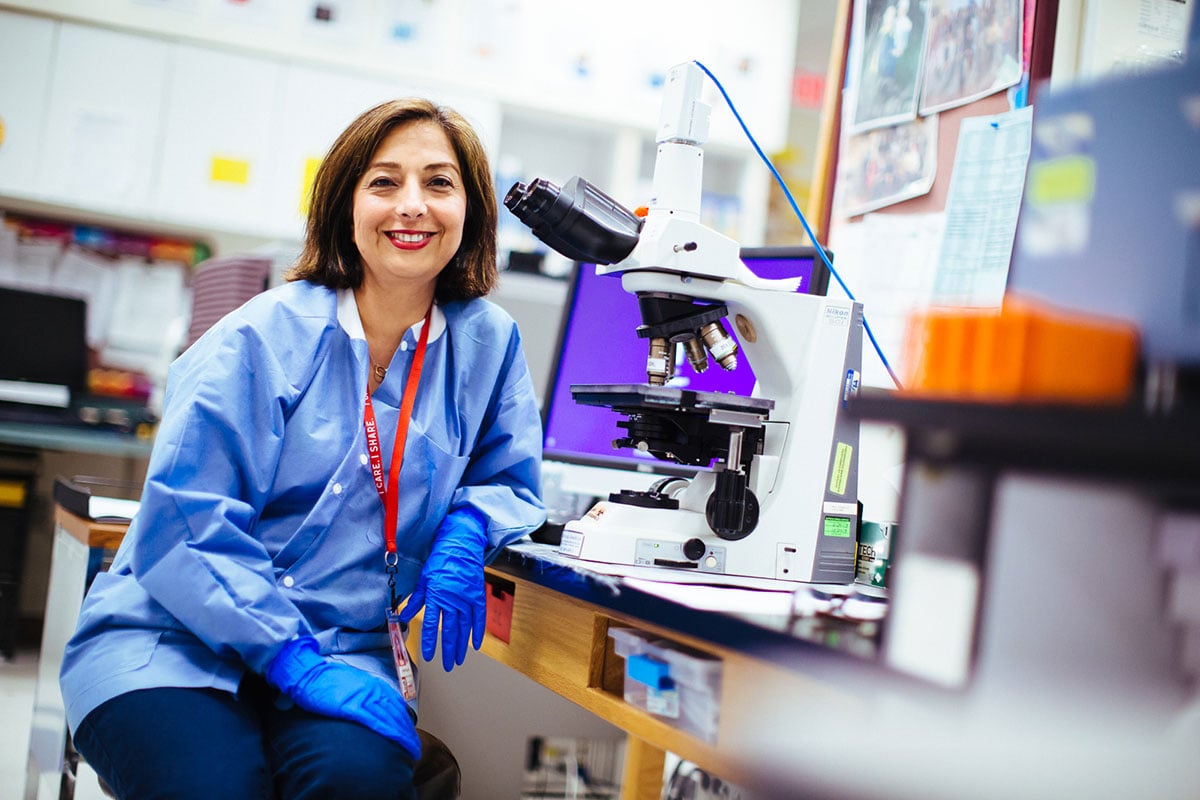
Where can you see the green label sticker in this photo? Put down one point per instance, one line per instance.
(840, 474)
(837, 526)
(1069, 179)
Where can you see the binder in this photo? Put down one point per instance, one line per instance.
(97, 499)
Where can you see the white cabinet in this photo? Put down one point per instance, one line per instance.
(102, 130)
(556, 149)
(316, 105)
(484, 114)
(219, 137)
(202, 121)
(26, 49)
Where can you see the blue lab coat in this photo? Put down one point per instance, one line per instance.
(260, 519)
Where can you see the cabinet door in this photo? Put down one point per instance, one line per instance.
(218, 141)
(102, 127)
(317, 104)
(26, 50)
(482, 112)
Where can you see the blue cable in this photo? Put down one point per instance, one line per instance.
(792, 201)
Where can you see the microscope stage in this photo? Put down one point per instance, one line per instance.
(644, 397)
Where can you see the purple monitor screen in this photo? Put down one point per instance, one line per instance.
(599, 344)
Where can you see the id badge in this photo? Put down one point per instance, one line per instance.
(404, 665)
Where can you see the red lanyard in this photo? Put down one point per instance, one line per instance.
(389, 493)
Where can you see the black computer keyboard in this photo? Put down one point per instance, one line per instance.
(39, 415)
(106, 414)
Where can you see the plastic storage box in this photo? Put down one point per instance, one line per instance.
(674, 683)
(1027, 350)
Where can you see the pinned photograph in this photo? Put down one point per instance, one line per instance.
(886, 165)
(886, 62)
(972, 50)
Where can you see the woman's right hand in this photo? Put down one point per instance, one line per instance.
(323, 686)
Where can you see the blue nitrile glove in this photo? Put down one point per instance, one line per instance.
(323, 686)
(451, 588)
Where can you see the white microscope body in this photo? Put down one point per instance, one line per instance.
(806, 353)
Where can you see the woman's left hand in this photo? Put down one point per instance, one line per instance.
(451, 589)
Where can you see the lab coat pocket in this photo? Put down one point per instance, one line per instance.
(430, 465)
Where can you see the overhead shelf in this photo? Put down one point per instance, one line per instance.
(1123, 443)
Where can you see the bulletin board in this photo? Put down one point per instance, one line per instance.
(1039, 18)
(910, 83)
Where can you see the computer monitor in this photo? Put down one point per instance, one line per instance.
(598, 343)
(43, 358)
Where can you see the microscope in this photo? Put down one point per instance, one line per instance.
(775, 491)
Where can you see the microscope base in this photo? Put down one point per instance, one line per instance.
(615, 533)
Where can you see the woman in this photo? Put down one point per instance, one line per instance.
(239, 645)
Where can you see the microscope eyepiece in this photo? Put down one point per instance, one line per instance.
(530, 201)
(577, 220)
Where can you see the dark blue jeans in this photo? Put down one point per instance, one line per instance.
(204, 743)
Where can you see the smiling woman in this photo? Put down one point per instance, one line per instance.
(409, 208)
(330, 254)
(364, 433)
(414, 179)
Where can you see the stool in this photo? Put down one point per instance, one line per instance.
(437, 776)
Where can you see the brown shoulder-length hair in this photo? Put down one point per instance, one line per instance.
(330, 256)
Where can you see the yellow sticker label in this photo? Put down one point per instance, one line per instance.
(1, 130)
(12, 494)
(1070, 179)
(310, 177)
(230, 170)
(841, 468)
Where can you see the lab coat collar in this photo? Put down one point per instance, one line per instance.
(347, 314)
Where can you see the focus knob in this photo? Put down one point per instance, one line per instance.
(694, 549)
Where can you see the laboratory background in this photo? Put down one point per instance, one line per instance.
(865, 335)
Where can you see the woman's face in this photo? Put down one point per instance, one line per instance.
(409, 207)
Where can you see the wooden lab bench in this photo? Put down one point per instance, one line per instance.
(551, 623)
